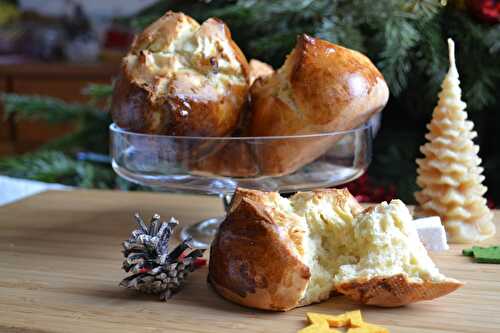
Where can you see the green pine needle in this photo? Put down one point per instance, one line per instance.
(51, 110)
(57, 167)
(99, 92)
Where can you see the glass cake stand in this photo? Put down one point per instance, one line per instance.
(218, 165)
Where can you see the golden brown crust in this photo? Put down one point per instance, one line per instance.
(396, 290)
(152, 95)
(252, 262)
(322, 87)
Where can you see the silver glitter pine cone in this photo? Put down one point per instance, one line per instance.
(155, 270)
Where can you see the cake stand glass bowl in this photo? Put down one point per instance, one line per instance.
(218, 165)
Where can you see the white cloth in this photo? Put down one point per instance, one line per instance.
(13, 189)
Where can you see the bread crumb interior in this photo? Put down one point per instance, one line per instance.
(340, 246)
(199, 55)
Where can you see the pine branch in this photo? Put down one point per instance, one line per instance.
(479, 67)
(423, 9)
(400, 38)
(57, 167)
(49, 109)
(90, 122)
(99, 93)
(492, 39)
(405, 38)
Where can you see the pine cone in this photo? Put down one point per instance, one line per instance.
(154, 270)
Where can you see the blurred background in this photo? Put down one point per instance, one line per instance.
(58, 59)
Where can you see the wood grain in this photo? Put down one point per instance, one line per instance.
(60, 267)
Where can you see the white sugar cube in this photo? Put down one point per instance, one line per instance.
(432, 233)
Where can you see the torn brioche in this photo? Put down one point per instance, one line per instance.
(276, 253)
(182, 78)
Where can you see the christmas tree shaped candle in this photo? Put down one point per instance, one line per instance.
(450, 175)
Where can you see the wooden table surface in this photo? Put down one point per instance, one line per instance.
(60, 265)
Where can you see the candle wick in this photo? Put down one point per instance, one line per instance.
(451, 52)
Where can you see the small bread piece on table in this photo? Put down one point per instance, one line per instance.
(182, 78)
(276, 253)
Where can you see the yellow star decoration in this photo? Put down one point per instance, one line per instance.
(322, 323)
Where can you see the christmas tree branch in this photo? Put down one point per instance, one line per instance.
(57, 167)
(49, 109)
(99, 92)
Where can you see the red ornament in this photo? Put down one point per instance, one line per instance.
(364, 190)
(485, 10)
(199, 262)
(491, 203)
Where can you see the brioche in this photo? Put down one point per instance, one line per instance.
(182, 78)
(321, 87)
(277, 254)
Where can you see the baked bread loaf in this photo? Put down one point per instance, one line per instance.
(182, 78)
(321, 87)
(275, 253)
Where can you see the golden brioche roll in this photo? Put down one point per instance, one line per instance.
(182, 78)
(275, 253)
(321, 87)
